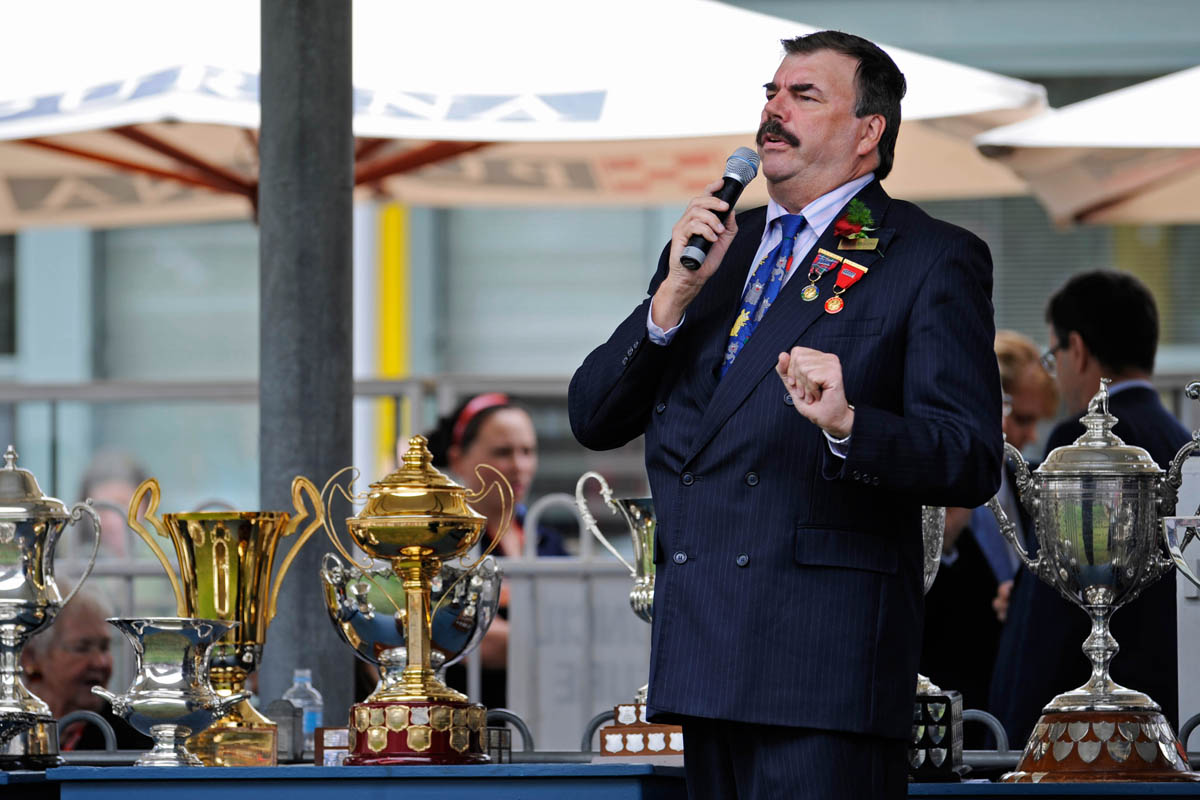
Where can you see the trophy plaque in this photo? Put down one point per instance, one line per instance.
(225, 573)
(30, 526)
(1097, 505)
(630, 734)
(416, 518)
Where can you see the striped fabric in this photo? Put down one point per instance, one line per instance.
(789, 585)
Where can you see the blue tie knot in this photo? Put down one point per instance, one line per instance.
(791, 224)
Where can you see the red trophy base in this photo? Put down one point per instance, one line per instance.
(1101, 746)
(417, 732)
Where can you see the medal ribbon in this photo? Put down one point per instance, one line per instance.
(847, 276)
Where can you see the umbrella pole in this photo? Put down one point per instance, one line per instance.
(306, 152)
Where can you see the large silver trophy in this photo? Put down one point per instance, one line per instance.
(171, 697)
(1096, 506)
(368, 608)
(30, 526)
(630, 734)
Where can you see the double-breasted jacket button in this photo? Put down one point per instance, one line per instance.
(742, 559)
(680, 557)
(752, 479)
(660, 408)
(687, 479)
(787, 398)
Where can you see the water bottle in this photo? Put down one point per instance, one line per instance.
(303, 696)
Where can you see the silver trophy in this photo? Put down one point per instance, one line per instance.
(30, 527)
(171, 697)
(1096, 506)
(638, 513)
(368, 609)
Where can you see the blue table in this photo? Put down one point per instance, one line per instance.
(19, 785)
(476, 782)
(576, 781)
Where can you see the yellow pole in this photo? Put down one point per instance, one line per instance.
(392, 315)
(1145, 250)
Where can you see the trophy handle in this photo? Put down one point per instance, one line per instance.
(1024, 479)
(150, 487)
(225, 704)
(508, 504)
(1168, 486)
(77, 512)
(589, 521)
(1009, 530)
(1175, 546)
(300, 486)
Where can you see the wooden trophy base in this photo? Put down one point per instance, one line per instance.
(935, 751)
(417, 732)
(1101, 746)
(631, 735)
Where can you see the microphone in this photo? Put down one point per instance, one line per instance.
(740, 169)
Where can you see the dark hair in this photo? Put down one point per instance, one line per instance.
(880, 83)
(465, 421)
(1115, 315)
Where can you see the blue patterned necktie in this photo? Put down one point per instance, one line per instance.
(762, 289)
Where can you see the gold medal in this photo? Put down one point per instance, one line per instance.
(810, 293)
(834, 304)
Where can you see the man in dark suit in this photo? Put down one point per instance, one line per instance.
(787, 612)
(1103, 324)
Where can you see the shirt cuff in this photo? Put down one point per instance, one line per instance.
(839, 447)
(657, 334)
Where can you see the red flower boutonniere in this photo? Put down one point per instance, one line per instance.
(856, 222)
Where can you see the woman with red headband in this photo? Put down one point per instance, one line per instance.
(489, 429)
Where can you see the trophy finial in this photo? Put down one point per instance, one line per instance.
(10, 458)
(417, 456)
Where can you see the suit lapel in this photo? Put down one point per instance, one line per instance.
(787, 320)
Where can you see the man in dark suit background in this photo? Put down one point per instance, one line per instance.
(965, 607)
(1103, 324)
(788, 597)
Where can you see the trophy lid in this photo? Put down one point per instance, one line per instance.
(418, 489)
(20, 495)
(1099, 451)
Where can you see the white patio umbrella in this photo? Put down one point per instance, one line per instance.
(1132, 155)
(136, 111)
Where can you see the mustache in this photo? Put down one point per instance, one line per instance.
(774, 127)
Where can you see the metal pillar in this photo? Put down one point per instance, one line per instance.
(306, 150)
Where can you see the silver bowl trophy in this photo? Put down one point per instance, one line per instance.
(171, 697)
(1097, 506)
(30, 526)
(368, 608)
(630, 734)
(935, 751)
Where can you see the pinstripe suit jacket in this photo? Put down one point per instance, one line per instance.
(789, 581)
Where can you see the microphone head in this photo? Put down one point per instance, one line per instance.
(742, 166)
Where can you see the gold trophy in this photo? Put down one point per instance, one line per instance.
(416, 518)
(225, 562)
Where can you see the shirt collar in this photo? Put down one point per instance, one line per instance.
(821, 212)
(1120, 386)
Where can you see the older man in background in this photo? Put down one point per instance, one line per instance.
(64, 662)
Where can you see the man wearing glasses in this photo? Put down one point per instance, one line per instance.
(1103, 324)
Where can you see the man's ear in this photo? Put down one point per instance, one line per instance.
(1079, 352)
(872, 132)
